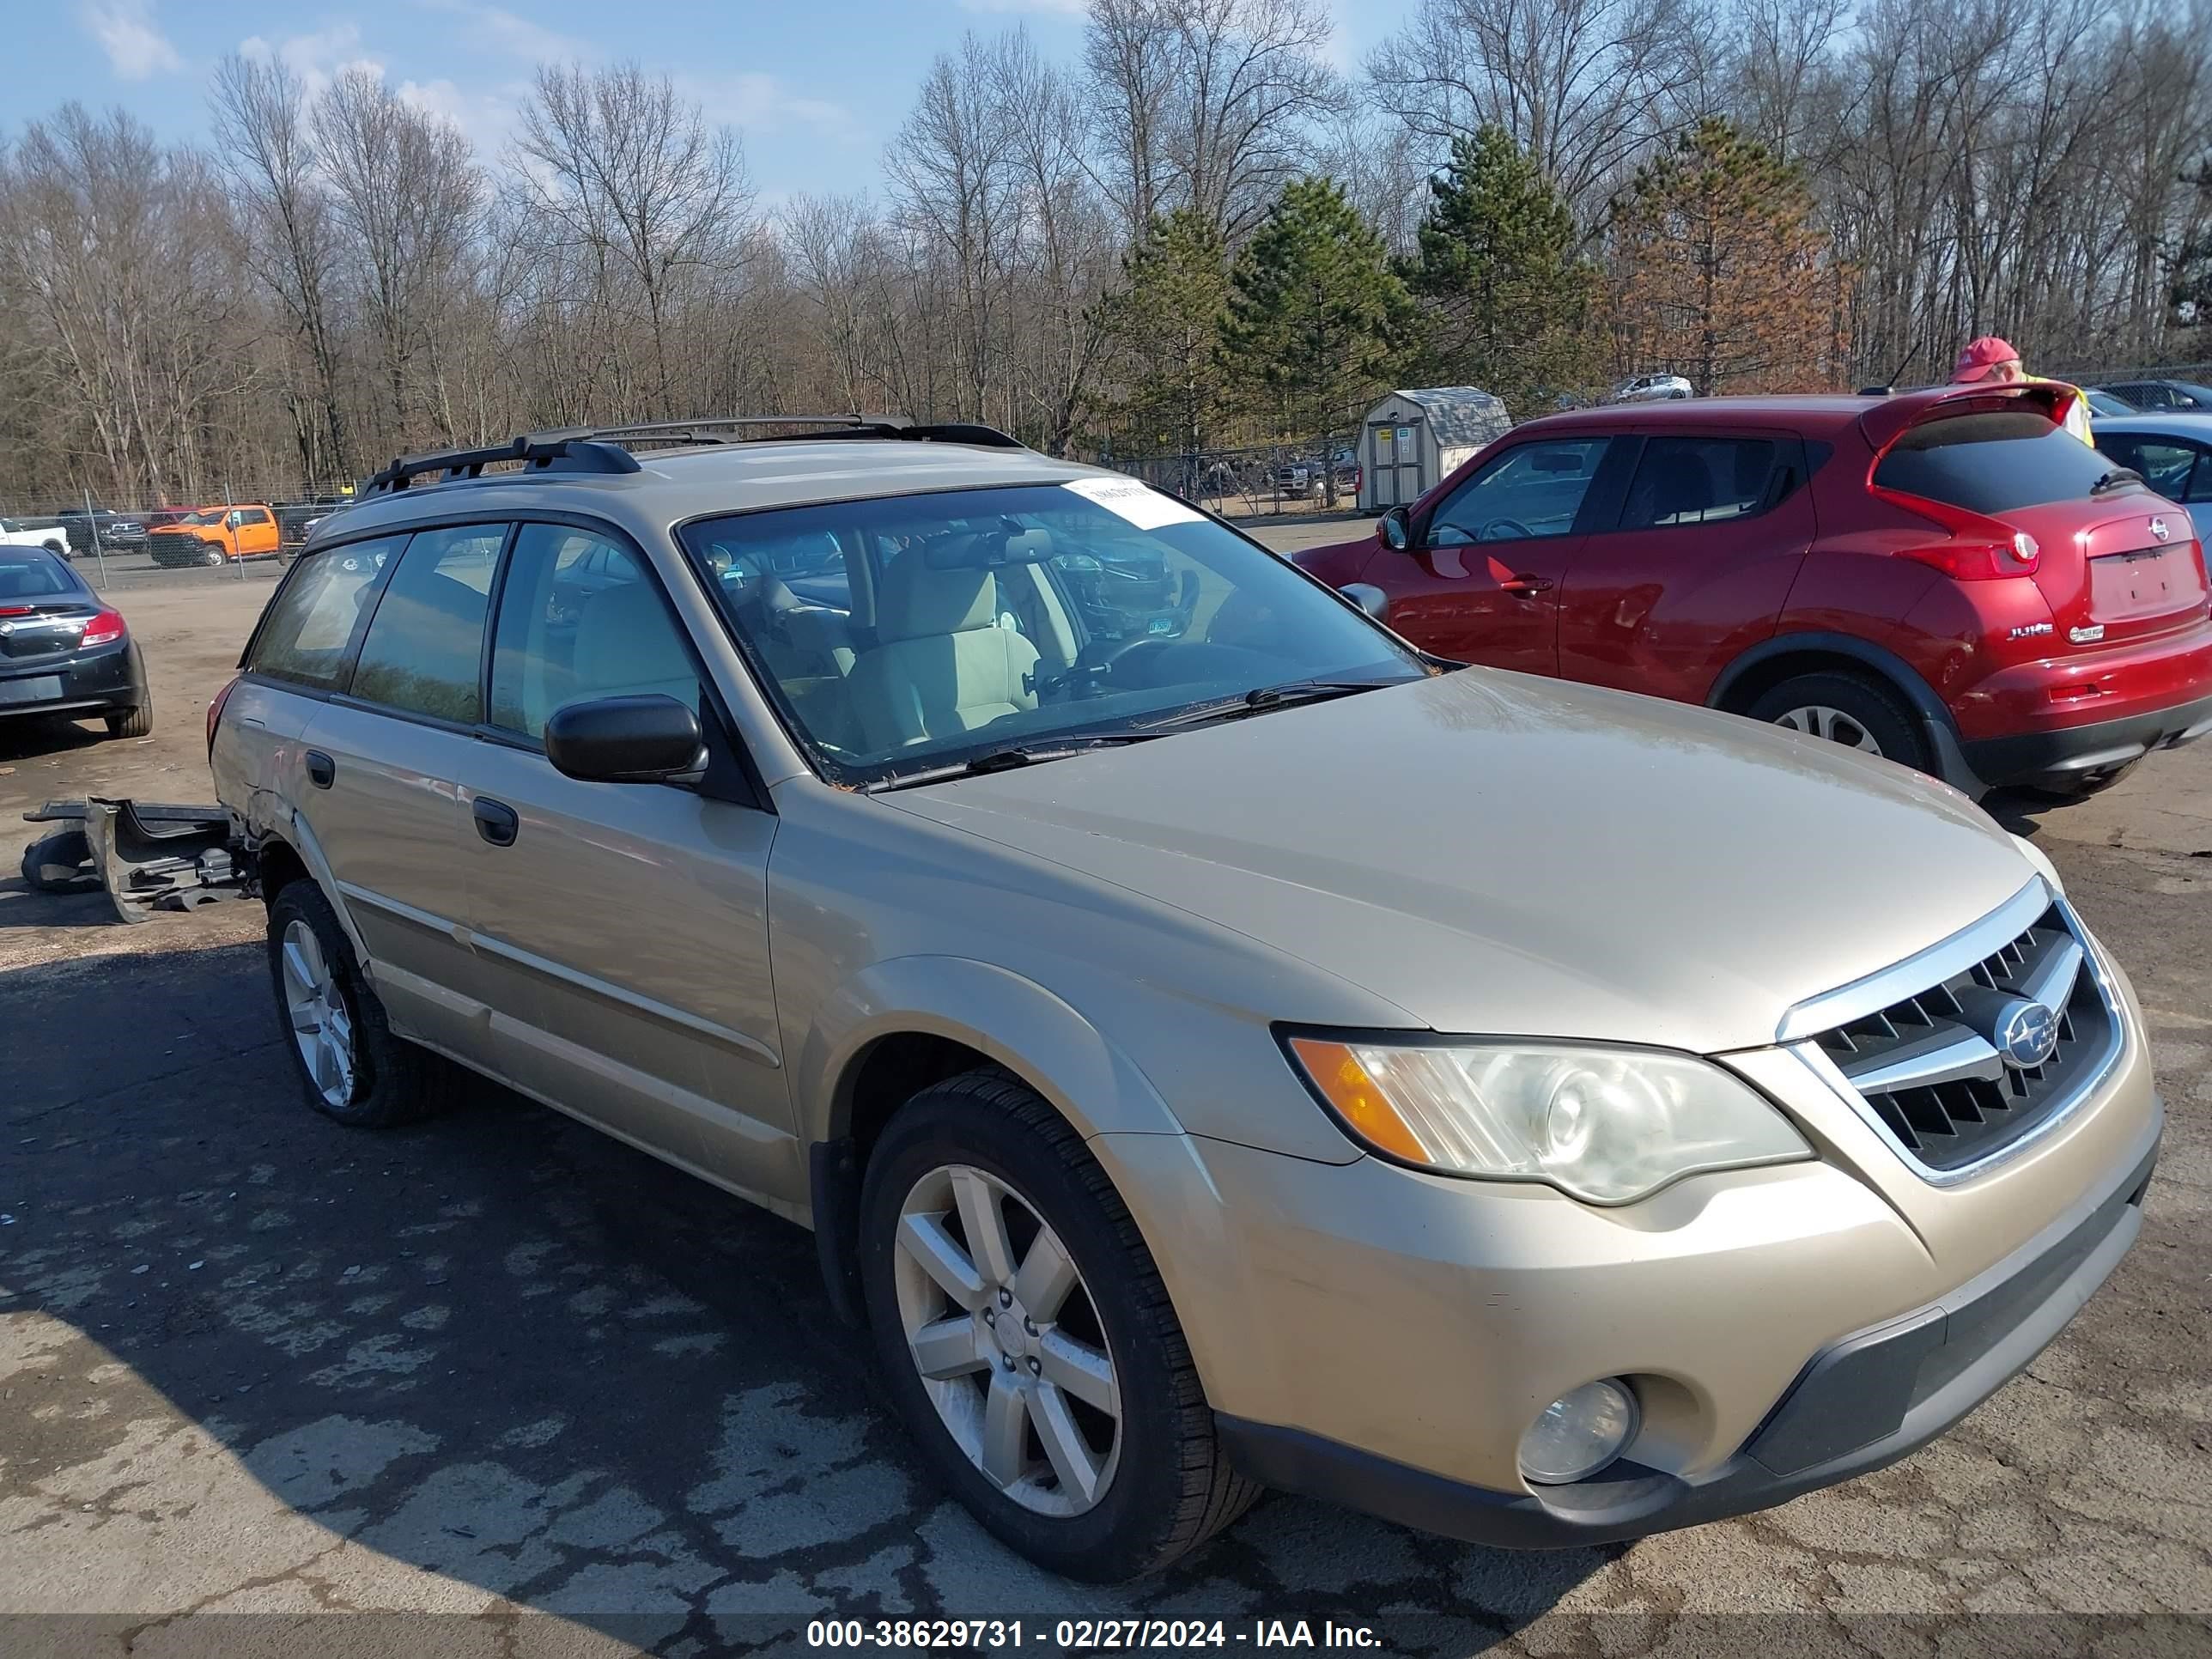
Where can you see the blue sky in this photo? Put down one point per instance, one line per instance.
(815, 89)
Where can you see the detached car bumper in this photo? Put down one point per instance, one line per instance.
(105, 678)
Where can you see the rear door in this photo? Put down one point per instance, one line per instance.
(625, 926)
(379, 763)
(1711, 528)
(1481, 582)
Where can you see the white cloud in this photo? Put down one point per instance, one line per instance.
(486, 117)
(494, 28)
(318, 58)
(754, 99)
(136, 47)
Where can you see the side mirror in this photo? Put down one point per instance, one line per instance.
(648, 739)
(1369, 598)
(1394, 530)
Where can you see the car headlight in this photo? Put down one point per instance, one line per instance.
(1604, 1125)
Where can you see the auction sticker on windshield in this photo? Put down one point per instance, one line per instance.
(1141, 505)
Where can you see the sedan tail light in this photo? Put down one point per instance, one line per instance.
(105, 629)
(215, 711)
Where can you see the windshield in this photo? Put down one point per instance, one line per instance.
(917, 631)
(1992, 461)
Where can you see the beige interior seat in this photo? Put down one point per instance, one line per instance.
(942, 664)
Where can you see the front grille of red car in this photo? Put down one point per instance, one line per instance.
(1929, 1068)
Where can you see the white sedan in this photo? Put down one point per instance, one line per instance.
(1652, 389)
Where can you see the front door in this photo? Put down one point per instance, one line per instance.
(625, 926)
(1481, 582)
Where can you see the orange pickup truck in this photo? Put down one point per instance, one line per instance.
(217, 535)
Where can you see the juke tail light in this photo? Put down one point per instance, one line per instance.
(1981, 549)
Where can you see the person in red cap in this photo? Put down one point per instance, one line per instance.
(1991, 360)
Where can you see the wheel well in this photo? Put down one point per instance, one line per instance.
(891, 1073)
(1762, 677)
(278, 867)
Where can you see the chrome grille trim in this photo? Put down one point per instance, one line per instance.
(2089, 1072)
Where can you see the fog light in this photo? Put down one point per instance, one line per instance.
(1579, 1433)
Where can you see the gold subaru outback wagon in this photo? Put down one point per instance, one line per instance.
(1216, 1046)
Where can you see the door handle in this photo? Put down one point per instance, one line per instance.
(496, 821)
(1526, 584)
(321, 769)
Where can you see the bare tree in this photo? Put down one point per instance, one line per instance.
(282, 199)
(630, 178)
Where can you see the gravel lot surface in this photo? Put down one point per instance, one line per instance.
(497, 1385)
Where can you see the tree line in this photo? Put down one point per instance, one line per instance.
(1196, 234)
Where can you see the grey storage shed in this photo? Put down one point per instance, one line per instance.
(1411, 439)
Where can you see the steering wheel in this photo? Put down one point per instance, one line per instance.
(1093, 665)
(1504, 530)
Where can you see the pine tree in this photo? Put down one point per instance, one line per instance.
(1506, 294)
(1165, 320)
(1724, 275)
(1318, 323)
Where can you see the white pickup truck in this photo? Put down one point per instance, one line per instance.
(28, 532)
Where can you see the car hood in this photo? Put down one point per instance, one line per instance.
(1494, 852)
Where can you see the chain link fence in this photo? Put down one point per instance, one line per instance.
(1259, 480)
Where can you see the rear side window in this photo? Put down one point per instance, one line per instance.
(424, 649)
(1992, 462)
(311, 623)
(1699, 480)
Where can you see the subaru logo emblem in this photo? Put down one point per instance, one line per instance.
(2026, 1034)
(2158, 529)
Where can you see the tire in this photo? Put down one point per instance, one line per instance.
(1166, 1484)
(133, 722)
(389, 1081)
(59, 863)
(1855, 711)
(213, 557)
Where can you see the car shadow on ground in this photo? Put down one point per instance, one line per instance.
(501, 1348)
(35, 737)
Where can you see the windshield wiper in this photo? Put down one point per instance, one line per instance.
(1261, 700)
(2115, 478)
(1007, 759)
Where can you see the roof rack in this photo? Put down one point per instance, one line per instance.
(607, 449)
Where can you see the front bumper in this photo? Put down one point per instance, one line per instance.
(2077, 754)
(178, 551)
(1863, 1402)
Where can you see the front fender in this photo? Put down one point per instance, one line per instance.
(1016, 1022)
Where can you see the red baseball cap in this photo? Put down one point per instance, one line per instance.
(1981, 355)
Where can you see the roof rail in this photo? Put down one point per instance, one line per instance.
(607, 449)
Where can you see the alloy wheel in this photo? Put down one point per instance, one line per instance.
(316, 1010)
(1818, 720)
(1007, 1340)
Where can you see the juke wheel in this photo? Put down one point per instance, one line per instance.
(1846, 710)
(1028, 1340)
(354, 1069)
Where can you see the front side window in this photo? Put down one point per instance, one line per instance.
(579, 619)
(424, 649)
(1698, 480)
(1531, 491)
(903, 632)
(311, 622)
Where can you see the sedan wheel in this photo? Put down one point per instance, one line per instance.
(317, 1013)
(1834, 724)
(1007, 1341)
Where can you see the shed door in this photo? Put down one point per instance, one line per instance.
(1396, 448)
